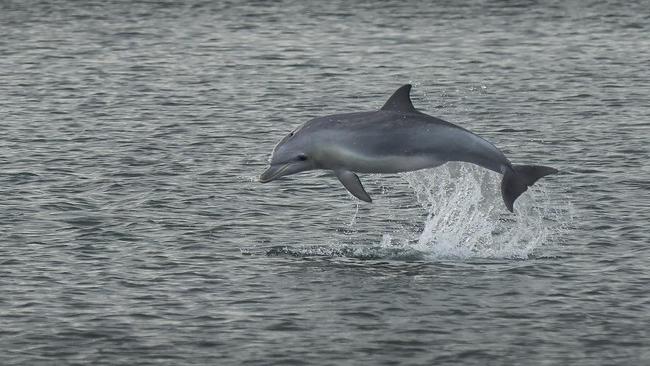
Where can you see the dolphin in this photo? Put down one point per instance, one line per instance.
(395, 138)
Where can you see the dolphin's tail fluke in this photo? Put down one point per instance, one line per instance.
(517, 180)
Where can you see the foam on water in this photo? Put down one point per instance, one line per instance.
(454, 212)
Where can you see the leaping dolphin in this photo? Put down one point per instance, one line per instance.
(396, 138)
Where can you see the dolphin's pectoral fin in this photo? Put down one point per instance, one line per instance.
(352, 183)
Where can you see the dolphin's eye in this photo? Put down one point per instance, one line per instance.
(302, 157)
(290, 134)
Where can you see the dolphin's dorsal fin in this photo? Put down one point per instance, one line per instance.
(400, 101)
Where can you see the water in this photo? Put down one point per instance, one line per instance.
(133, 230)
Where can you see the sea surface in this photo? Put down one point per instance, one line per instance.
(133, 230)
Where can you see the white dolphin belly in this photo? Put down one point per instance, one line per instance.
(362, 163)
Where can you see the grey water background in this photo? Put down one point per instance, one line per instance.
(133, 230)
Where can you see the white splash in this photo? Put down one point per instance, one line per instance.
(465, 217)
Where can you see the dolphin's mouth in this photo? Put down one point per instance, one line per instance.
(273, 172)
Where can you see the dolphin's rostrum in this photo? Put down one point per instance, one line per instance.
(396, 138)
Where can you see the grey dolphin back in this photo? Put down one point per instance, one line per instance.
(400, 101)
(517, 180)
